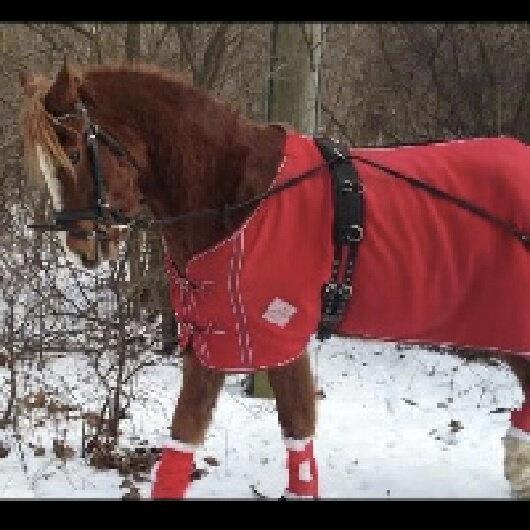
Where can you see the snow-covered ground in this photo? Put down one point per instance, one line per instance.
(387, 427)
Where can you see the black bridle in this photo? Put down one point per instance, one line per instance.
(102, 214)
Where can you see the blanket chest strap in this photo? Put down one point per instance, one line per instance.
(348, 231)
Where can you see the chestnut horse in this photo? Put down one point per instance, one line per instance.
(174, 149)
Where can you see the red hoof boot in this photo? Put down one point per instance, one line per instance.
(172, 474)
(302, 467)
(520, 419)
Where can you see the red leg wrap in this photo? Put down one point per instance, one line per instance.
(303, 473)
(172, 474)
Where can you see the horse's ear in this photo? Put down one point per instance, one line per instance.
(27, 80)
(69, 78)
(64, 92)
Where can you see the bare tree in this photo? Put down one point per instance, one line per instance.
(293, 98)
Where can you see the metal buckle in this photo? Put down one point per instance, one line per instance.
(334, 295)
(347, 186)
(354, 233)
(334, 298)
(339, 154)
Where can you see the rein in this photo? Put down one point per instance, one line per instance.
(524, 237)
(103, 214)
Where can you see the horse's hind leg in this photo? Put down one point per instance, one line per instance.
(200, 389)
(295, 400)
(517, 440)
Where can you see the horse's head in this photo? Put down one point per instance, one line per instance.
(56, 148)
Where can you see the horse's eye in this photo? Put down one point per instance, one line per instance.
(75, 157)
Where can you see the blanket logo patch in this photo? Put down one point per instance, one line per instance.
(279, 312)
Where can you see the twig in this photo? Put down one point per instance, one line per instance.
(186, 52)
(56, 47)
(79, 29)
(341, 126)
(164, 34)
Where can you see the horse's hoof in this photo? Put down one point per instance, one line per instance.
(517, 462)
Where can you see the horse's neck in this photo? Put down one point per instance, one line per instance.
(198, 152)
(233, 173)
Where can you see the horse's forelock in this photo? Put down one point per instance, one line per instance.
(40, 139)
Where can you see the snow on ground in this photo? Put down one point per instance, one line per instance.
(384, 429)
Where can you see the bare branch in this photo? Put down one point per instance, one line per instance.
(212, 60)
(89, 35)
(46, 36)
(165, 32)
(487, 66)
(522, 104)
(184, 37)
(343, 129)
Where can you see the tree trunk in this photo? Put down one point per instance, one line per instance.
(133, 41)
(294, 98)
(295, 75)
(96, 48)
(133, 52)
(12, 364)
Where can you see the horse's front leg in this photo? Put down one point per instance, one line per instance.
(517, 440)
(295, 400)
(193, 413)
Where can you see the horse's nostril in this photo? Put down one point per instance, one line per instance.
(87, 262)
(105, 245)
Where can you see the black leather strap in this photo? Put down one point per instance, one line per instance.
(348, 227)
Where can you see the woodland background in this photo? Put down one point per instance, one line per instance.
(368, 84)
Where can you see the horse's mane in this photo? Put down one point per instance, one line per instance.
(149, 69)
(200, 139)
(37, 130)
(36, 120)
(178, 81)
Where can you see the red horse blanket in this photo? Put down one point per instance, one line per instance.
(427, 271)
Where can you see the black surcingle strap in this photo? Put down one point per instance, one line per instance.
(347, 233)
